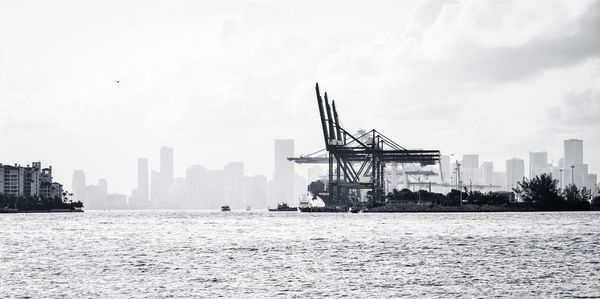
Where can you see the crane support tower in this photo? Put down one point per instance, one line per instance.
(357, 162)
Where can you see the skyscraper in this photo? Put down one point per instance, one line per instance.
(446, 169)
(283, 175)
(78, 185)
(487, 173)
(196, 177)
(515, 171)
(233, 174)
(470, 161)
(166, 174)
(538, 163)
(143, 189)
(154, 188)
(469, 169)
(573, 152)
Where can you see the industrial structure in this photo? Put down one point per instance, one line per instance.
(358, 162)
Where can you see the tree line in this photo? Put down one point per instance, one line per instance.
(540, 193)
(28, 203)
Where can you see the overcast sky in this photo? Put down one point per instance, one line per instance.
(219, 80)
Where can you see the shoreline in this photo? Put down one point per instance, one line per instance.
(463, 209)
(40, 211)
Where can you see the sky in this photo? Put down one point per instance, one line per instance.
(220, 80)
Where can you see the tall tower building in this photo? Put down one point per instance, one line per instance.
(470, 161)
(78, 185)
(538, 163)
(233, 174)
(143, 188)
(446, 168)
(470, 169)
(166, 173)
(487, 173)
(196, 183)
(283, 175)
(573, 152)
(515, 171)
(154, 188)
(573, 162)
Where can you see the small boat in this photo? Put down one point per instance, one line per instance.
(248, 208)
(283, 207)
(354, 209)
(225, 208)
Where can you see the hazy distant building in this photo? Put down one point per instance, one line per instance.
(470, 161)
(257, 192)
(499, 179)
(78, 185)
(154, 188)
(233, 174)
(487, 173)
(573, 152)
(215, 188)
(143, 187)
(538, 163)
(196, 183)
(166, 174)
(575, 174)
(446, 169)
(300, 189)
(590, 182)
(283, 175)
(469, 169)
(178, 194)
(515, 171)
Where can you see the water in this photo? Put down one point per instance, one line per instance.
(141, 254)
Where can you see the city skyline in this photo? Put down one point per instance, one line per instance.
(196, 188)
(222, 81)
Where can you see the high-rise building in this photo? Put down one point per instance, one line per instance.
(215, 181)
(258, 192)
(196, 182)
(283, 175)
(515, 171)
(590, 182)
(469, 169)
(573, 152)
(78, 185)
(446, 169)
(499, 179)
(487, 173)
(166, 174)
(143, 188)
(538, 163)
(233, 174)
(470, 161)
(575, 174)
(155, 188)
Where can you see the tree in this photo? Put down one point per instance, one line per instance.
(541, 191)
(576, 199)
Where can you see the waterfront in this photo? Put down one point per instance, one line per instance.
(259, 254)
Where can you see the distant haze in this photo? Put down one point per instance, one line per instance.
(220, 80)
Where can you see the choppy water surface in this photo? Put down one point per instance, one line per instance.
(260, 254)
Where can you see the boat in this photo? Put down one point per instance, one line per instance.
(225, 208)
(248, 208)
(283, 207)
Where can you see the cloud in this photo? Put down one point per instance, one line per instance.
(579, 109)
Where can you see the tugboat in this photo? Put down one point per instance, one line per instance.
(225, 208)
(283, 207)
